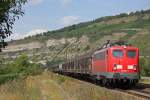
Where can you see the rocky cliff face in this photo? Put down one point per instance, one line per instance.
(42, 52)
(21, 47)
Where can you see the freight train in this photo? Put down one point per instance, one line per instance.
(113, 63)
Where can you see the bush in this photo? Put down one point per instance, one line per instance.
(145, 66)
(21, 67)
(61, 79)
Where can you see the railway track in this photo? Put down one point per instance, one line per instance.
(136, 93)
(140, 90)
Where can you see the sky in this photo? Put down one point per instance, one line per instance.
(46, 15)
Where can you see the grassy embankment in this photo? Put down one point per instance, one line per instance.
(50, 86)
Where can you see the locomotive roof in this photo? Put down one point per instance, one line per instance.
(114, 43)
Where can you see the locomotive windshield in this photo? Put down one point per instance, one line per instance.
(118, 53)
(131, 53)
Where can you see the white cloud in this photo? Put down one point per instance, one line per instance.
(14, 36)
(69, 20)
(66, 2)
(17, 36)
(35, 2)
(35, 32)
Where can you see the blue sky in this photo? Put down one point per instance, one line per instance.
(43, 15)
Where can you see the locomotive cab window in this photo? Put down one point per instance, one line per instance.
(118, 53)
(131, 53)
(100, 56)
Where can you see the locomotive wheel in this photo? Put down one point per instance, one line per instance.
(104, 82)
(99, 82)
(110, 83)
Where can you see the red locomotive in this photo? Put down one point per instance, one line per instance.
(114, 63)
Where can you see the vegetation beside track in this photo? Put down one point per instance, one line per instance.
(145, 80)
(145, 66)
(50, 86)
(20, 68)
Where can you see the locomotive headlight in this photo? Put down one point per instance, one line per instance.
(133, 67)
(130, 66)
(117, 66)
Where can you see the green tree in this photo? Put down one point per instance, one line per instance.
(10, 10)
(21, 67)
(144, 64)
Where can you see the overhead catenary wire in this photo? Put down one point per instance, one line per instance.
(64, 48)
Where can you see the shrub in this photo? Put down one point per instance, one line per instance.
(145, 66)
(61, 79)
(21, 67)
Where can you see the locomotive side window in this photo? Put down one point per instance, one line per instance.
(131, 53)
(118, 53)
(99, 56)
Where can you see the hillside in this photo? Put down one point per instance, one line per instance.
(80, 38)
(50, 86)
